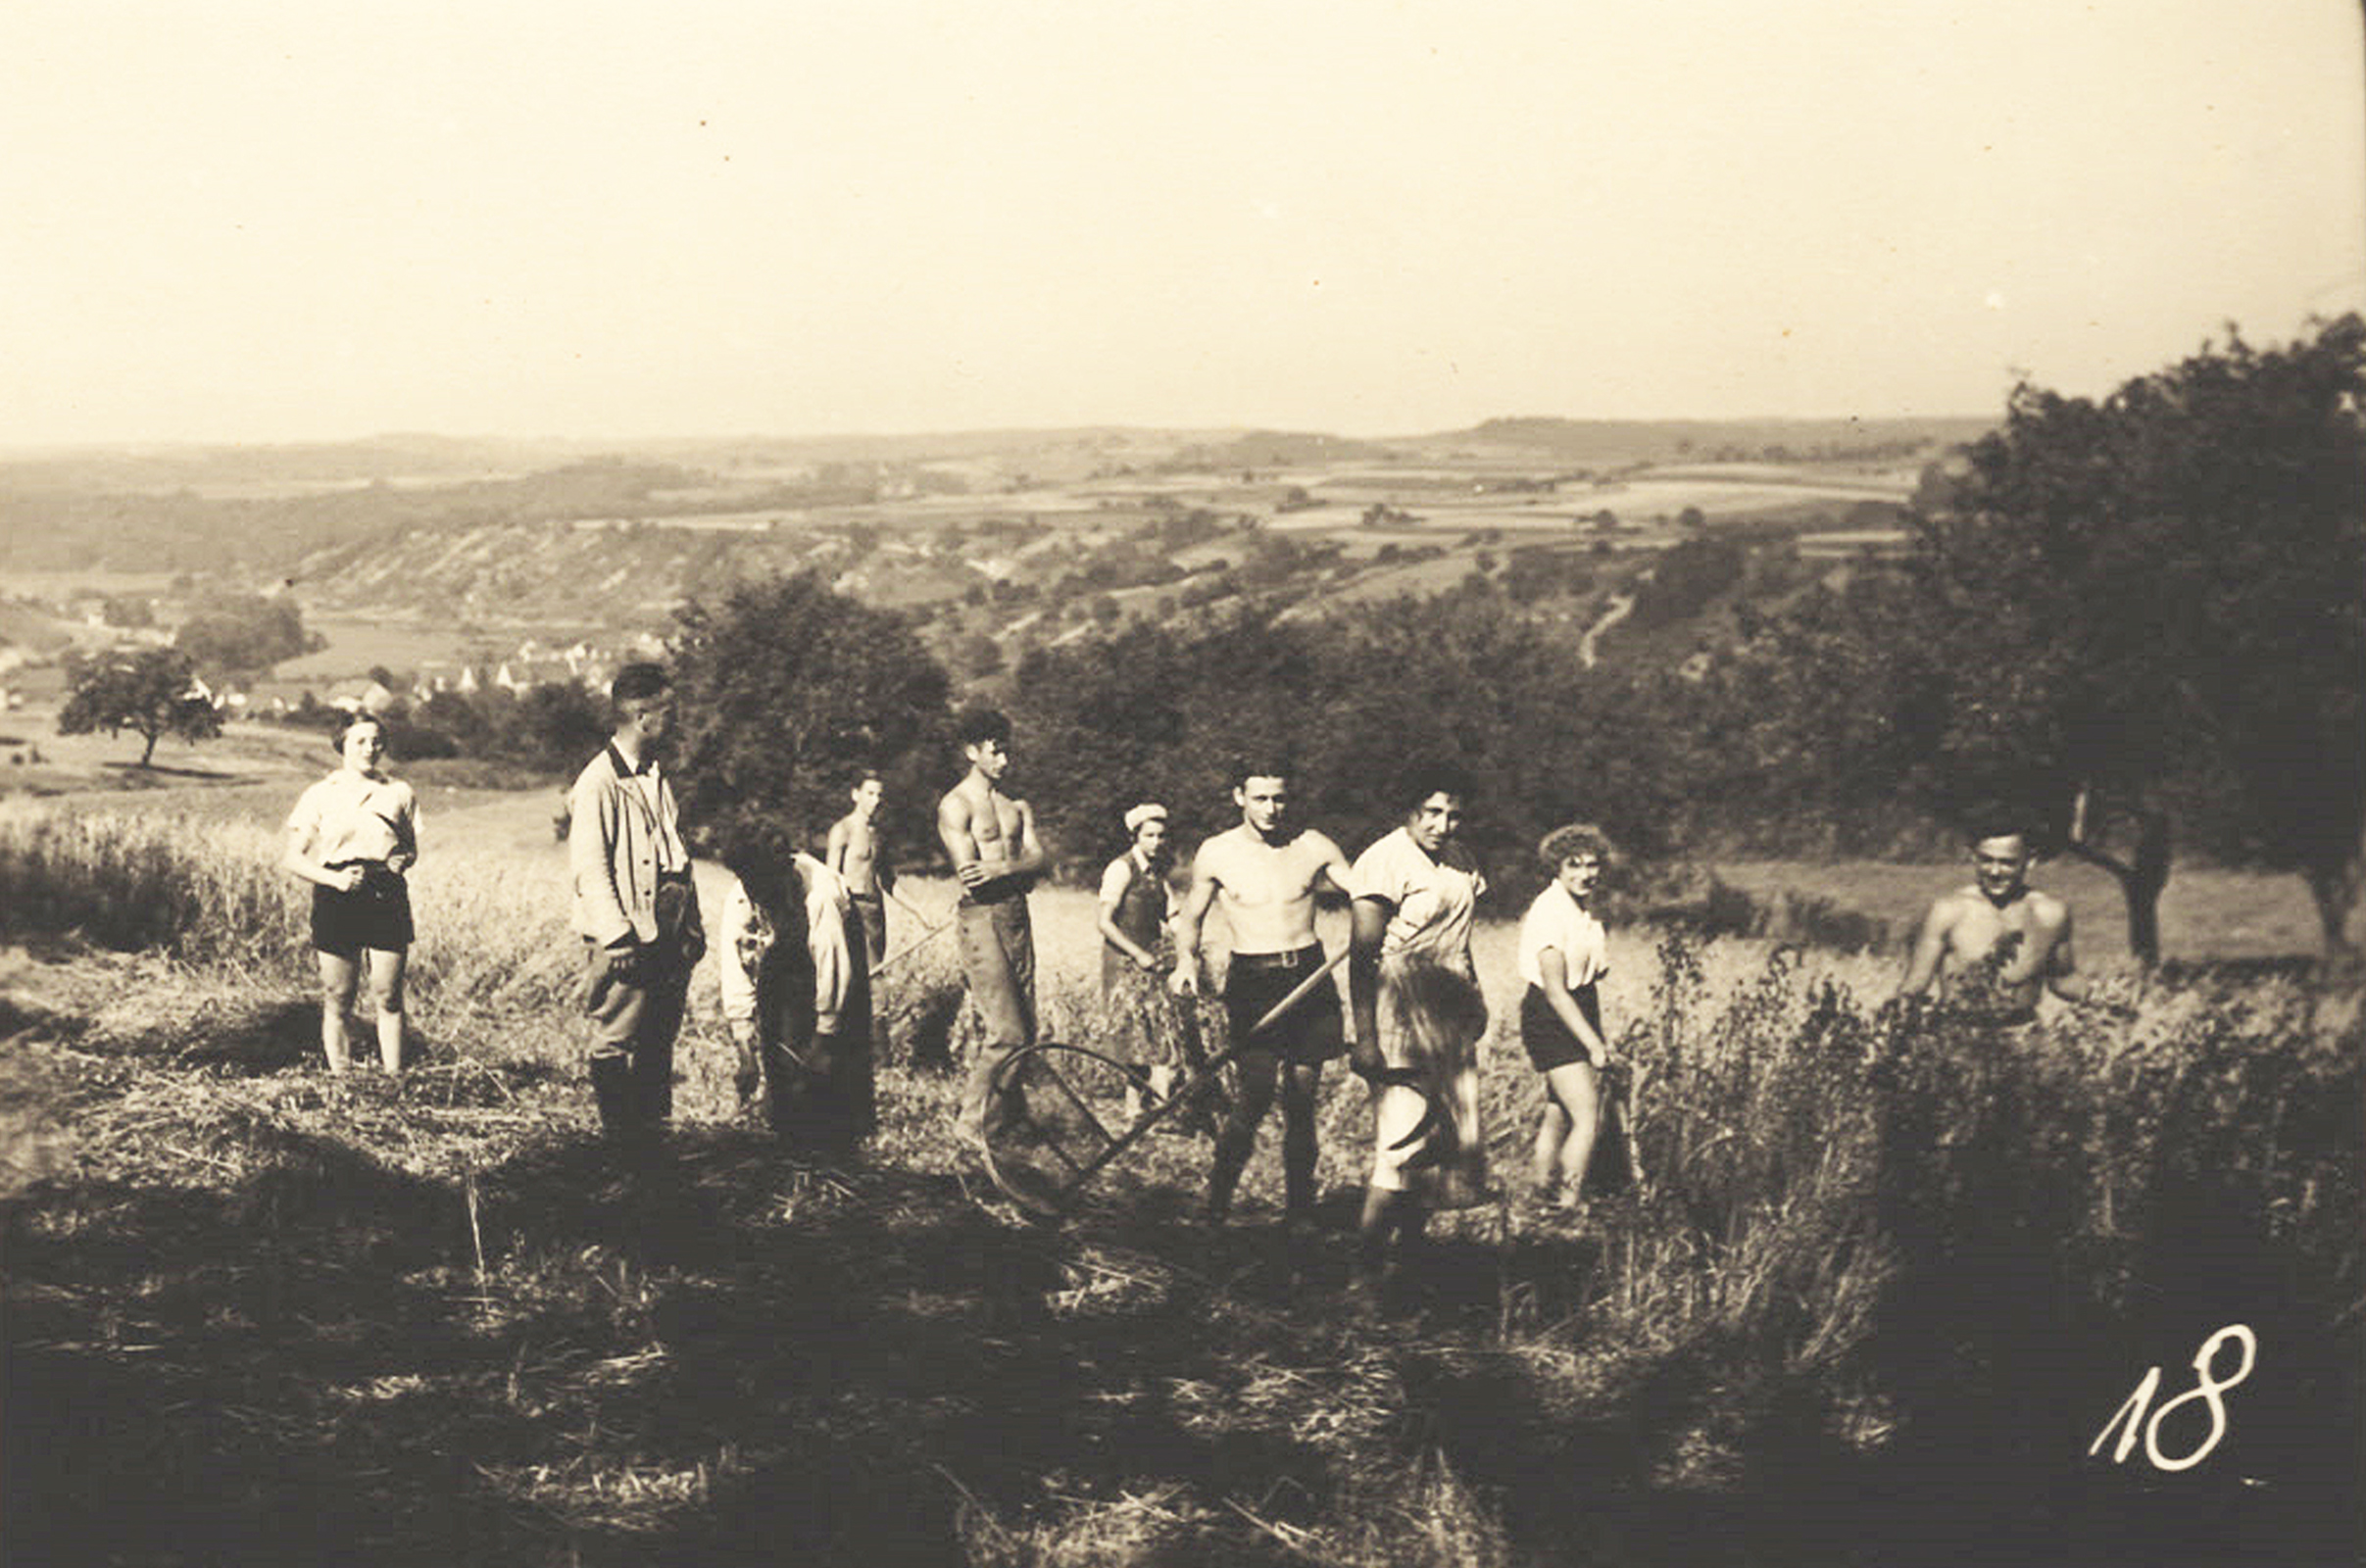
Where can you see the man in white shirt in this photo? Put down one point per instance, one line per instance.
(635, 907)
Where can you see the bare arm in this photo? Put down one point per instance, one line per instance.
(1930, 947)
(1029, 857)
(1371, 923)
(1555, 972)
(1333, 866)
(406, 836)
(961, 843)
(833, 852)
(1188, 922)
(2062, 976)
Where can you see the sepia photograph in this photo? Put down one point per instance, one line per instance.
(1041, 785)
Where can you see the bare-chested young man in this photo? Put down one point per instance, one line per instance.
(1262, 875)
(853, 852)
(996, 856)
(1997, 907)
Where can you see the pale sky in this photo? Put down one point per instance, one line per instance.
(293, 220)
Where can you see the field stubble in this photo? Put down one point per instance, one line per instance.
(1883, 1283)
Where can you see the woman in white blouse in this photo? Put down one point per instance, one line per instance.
(1563, 951)
(353, 836)
(1418, 1015)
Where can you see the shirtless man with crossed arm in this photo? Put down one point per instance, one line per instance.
(1963, 927)
(1262, 875)
(996, 856)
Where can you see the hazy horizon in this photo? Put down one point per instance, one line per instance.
(274, 225)
(827, 437)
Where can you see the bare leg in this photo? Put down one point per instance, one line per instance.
(1576, 1092)
(1300, 1085)
(1238, 1138)
(1551, 1131)
(337, 976)
(386, 995)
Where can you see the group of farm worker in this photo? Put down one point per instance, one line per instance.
(802, 936)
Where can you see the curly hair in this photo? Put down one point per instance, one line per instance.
(1571, 839)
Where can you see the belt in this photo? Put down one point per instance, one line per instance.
(1305, 957)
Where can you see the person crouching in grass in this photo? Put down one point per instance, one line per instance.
(353, 836)
(1563, 953)
(796, 996)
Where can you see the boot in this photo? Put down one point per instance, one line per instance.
(613, 1089)
(653, 1087)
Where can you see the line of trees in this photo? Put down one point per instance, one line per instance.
(2137, 620)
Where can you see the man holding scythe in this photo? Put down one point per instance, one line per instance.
(1263, 874)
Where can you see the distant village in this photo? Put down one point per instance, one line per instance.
(529, 664)
(37, 636)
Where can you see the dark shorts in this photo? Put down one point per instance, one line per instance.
(375, 915)
(1310, 1032)
(1548, 1041)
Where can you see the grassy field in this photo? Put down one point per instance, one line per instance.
(1882, 1291)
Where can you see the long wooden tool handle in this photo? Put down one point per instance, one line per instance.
(1300, 991)
(910, 948)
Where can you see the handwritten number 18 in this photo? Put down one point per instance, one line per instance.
(2206, 1387)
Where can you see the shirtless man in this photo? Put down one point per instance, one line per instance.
(1262, 875)
(1997, 908)
(853, 852)
(996, 856)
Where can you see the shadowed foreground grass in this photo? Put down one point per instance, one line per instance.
(1884, 1288)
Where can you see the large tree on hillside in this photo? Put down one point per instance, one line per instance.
(2163, 594)
(149, 691)
(787, 690)
(239, 634)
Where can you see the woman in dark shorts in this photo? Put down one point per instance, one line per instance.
(353, 836)
(1563, 952)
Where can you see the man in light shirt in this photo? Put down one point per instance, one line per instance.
(635, 907)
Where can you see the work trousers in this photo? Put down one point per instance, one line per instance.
(997, 961)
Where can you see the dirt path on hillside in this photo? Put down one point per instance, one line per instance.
(1620, 605)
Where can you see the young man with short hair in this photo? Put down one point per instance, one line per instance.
(635, 907)
(1997, 914)
(1262, 873)
(852, 853)
(996, 856)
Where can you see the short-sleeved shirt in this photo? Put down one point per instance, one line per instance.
(1432, 904)
(353, 816)
(1558, 921)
